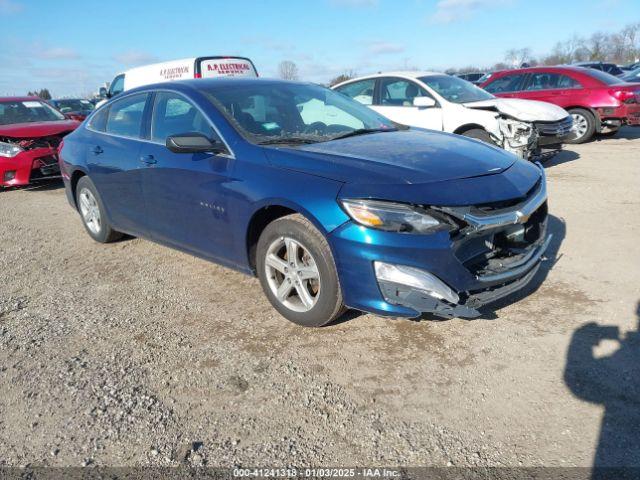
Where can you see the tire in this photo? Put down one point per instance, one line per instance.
(479, 134)
(295, 236)
(585, 124)
(92, 212)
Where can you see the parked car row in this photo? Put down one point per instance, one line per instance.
(598, 102)
(442, 102)
(358, 197)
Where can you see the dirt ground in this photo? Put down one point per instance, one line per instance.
(134, 354)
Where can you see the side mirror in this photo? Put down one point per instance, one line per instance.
(194, 143)
(424, 102)
(103, 93)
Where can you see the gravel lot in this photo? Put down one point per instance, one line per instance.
(134, 354)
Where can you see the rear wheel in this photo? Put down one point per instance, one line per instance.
(92, 212)
(479, 134)
(297, 272)
(584, 125)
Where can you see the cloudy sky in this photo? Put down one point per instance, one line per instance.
(72, 46)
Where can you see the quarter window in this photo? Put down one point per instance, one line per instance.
(173, 114)
(361, 91)
(508, 83)
(125, 116)
(396, 92)
(550, 81)
(99, 120)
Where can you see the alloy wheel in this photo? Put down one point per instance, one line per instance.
(292, 274)
(90, 211)
(580, 124)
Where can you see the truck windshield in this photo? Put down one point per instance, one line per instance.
(274, 112)
(27, 111)
(455, 89)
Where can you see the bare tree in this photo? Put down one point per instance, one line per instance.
(518, 56)
(288, 70)
(599, 46)
(343, 77)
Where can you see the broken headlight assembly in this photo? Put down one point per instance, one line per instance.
(395, 217)
(8, 150)
(515, 132)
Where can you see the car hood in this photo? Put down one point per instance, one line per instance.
(38, 129)
(400, 157)
(520, 109)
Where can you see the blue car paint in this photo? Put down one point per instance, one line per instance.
(203, 204)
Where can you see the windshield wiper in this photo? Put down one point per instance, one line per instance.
(363, 131)
(287, 140)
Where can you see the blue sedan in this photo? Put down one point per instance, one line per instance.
(330, 204)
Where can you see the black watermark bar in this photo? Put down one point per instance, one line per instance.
(398, 473)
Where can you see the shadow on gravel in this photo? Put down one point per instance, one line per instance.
(564, 156)
(625, 133)
(613, 381)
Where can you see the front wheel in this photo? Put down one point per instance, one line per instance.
(297, 272)
(479, 134)
(584, 125)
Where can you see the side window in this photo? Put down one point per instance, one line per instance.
(117, 86)
(361, 91)
(508, 83)
(99, 121)
(174, 114)
(125, 116)
(397, 92)
(551, 81)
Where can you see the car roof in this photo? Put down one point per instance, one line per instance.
(558, 68)
(221, 82)
(20, 99)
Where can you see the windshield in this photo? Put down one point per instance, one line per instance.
(73, 105)
(455, 89)
(603, 77)
(287, 112)
(28, 111)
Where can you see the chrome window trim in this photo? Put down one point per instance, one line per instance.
(124, 95)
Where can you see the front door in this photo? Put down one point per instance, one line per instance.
(186, 194)
(395, 101)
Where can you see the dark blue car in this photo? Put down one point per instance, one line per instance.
(330, 204)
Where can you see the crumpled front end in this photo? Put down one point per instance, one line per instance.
(28, 159)
(494, 250)
(515, 136)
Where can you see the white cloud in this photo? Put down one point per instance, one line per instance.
(8, 7)
(354, 3)
(449, 11)
(384, 48)
(135, 57)
(55, 53)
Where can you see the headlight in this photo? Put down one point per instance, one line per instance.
(8, 150)
(394, 217)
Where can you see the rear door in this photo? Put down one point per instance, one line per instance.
(212, 67)
(114, 163)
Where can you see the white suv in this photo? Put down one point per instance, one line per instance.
(442, 102)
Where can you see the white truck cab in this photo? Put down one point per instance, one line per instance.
(186, 68)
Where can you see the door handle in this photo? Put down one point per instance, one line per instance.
(97, 150)
(148, 159)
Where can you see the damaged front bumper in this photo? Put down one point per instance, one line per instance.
(434, 300)
(29, 165)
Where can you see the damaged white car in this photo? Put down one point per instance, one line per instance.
(436, 101)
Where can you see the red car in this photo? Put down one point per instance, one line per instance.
(30, 132)
(598, 102)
